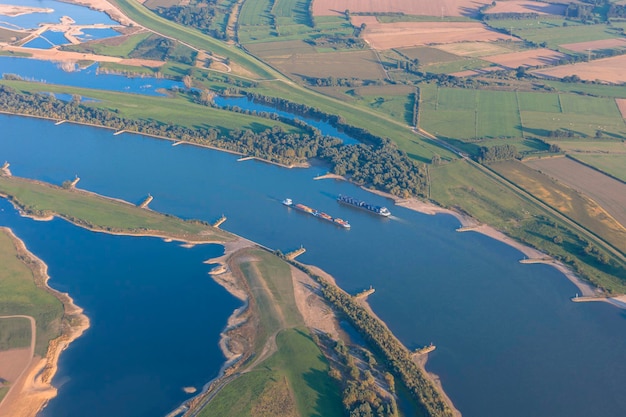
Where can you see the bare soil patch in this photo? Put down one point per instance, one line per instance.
(474, 49)
(404, 34)
(515, 6)
(621, 104)
(610, 70)
(532, 58)
(604, 190)
(595, 45)
(13, 362)
(410, 7)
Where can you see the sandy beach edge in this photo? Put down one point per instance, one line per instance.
(34, 387)
(532, 255)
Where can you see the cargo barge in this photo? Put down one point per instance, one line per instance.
(381, 211)
(319, 214)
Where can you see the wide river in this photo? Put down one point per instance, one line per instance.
(509, 340)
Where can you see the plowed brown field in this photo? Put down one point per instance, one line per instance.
(608, 69)
(531, 58)
(621, 104)
(595, 45)
(527, 7)
(402, 34)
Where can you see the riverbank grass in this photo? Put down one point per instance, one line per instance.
(96, 212)
(292, 382)
(14, 333)
(20, 294)
(287, 374)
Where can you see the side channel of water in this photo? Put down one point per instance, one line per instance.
(509, 341)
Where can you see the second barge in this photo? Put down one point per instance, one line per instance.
(319, 214)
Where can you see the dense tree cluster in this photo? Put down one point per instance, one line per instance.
(199, 14)
(379, 164)
(497, 153)
(397, 357)
(416, 107)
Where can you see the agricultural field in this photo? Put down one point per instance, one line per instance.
(609, 70)
(358, 64)
(621, 105)
(531, 58)
(460, 66)
(478, 49)
(427, 55)
(609, 193)
(7, 35)
(286, 20)
(405, 34)
(407, 7)
(395, 101)
(570, 202)
(555, 32)
(616, 43)
(612, 164)
(516, 6)
(280, 49)
(470, 114)
(467, 114)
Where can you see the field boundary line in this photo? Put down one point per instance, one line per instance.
(573, 158)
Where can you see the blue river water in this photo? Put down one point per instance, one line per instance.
(509, 340)
(80, 14)
(152, 330)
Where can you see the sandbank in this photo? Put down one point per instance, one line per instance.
(14, 11)
(33, 389)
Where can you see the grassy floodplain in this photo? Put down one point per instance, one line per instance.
(293, 379)
(96, 212)
(178, 110)
(21, 294)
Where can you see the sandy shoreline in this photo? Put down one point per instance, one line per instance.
(532, 255)
(33, 390)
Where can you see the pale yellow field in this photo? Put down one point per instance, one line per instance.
(530, 58)
(473, 49)
(610, 70)
(595, 45)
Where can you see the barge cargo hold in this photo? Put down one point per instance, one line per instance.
(381, 211)
(320, 215)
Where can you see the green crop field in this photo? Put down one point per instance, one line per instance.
(553, 32)
(467, 114)
(539, 102)
(616, 91)
(399, 107)
(358, 64)
(592, 146)
(614, 165)
(498, 115)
